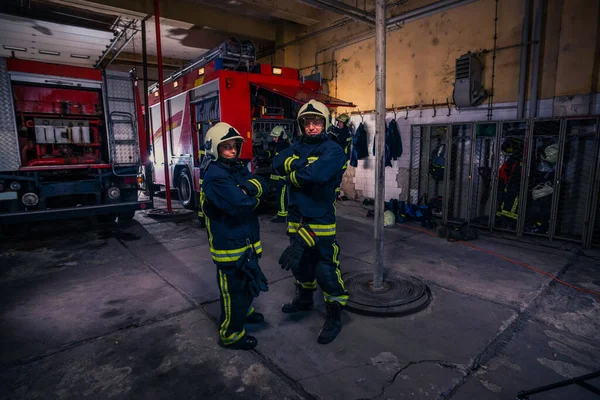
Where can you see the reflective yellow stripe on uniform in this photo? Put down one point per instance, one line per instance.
(234, 337)
(306, 237)
(293, 179)
(233, 254)
(312, 159)
(282, 211)
(276, 177)
(287, 164)
(318, 229)
(200, 211)
(342, 299)
(256, 183)
(307, 285)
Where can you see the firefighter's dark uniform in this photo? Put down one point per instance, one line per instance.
(343, 137)
(232, 228)
(313, 174)
(279, 181)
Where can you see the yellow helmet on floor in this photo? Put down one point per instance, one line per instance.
(219, 133)
(314, 109)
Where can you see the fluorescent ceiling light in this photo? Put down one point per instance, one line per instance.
(80, 56)
(49, 53)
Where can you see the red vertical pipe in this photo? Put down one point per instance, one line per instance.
(162, 102)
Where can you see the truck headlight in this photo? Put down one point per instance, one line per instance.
(16, 186)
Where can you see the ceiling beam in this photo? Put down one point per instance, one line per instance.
(343, 9)
(203, 15)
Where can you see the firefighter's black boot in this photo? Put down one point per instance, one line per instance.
(303, 301)
(255, 318)
(333, 323)
(246, 343)
(279, 219)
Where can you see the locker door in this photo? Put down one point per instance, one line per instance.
(574, 189)
(458, 177)
(485, 174)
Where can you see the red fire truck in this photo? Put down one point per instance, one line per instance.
(226, 84)
(72, 142)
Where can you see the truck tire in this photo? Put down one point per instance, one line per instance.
(185, 189)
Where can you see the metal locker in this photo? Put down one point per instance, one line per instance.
(485, 174)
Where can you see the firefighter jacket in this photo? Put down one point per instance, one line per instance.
(394, 140)
(360, 147)
(388, 158)
(343, 137)
(313, 173)
(231, 220)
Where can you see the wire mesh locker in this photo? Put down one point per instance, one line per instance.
(437, 170)
(418, 157)
(510, 173)
(485, 147)
(574, 188)
(593, 234)
(458, 177)
(541, 175)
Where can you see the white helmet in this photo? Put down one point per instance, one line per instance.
(314, 109)
(219, 133)
(279, 131)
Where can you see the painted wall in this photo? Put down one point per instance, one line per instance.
(421, 62)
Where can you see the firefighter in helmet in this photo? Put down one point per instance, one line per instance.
(340, 132)
(231, 195)
(312, 167)
(281, 142)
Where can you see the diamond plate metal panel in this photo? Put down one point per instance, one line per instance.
(119, 94)
(127, 154)
(9, 146)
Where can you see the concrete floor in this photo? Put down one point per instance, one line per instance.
(127, 311)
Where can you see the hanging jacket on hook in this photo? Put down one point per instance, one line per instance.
(388, 161)
(360, 148)
(394, 140)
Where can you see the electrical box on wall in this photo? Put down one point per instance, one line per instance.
(468, 91)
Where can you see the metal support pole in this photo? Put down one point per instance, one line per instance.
(162, 102)
(149, 180)
(537, 48)
(380, 31)
(524, 65)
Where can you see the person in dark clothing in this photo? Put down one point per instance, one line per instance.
(312, 167)
(281, 142)
(341, 134)
(231, 195)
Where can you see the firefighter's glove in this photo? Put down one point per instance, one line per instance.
(304, 239)
(253, 187)
(254, 279)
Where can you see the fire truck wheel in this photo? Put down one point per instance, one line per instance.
(185, 189)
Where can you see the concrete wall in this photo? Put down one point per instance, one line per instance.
(420, 68)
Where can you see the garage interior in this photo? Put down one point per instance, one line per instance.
(130, 309)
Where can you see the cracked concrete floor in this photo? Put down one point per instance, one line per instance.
(128, 311)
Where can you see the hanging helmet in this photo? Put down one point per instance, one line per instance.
(512, 145)
(313, 109)
(279, 131)
(219, 133)
(550, 153)
(344, 118)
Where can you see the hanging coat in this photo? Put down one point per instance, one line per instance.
(394, 140)
(360, 147)
(388, 161)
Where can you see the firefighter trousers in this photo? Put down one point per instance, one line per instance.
(320, 265)
(236, 303)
